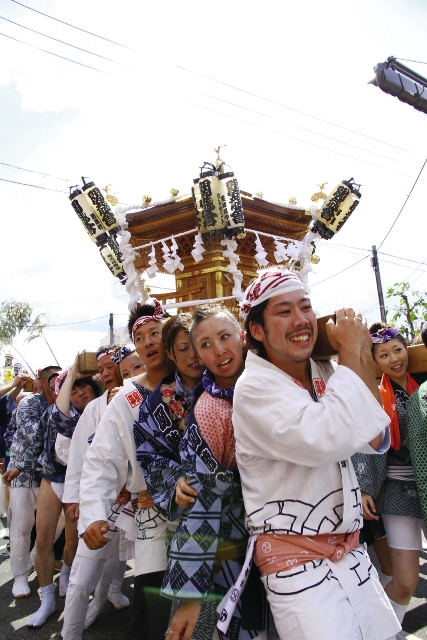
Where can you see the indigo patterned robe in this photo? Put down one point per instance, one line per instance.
(157, 432)
(27, 416)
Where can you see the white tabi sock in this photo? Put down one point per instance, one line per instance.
(384, 579)
(118, 600)
(47, 606)
(64, 578)
(93, 611)
(399, 610)
(20, 587)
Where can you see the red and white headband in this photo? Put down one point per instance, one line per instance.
(104, 353)
(272, 282)
(158, 316)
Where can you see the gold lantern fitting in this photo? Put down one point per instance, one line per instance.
(337, 209)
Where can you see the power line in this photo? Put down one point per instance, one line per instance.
(216, 81)
(343, 247)
(66, 324)
(406, 60)
(311, 144)
(74, 27)
(36, 186)
(298, 127)
(398, 257)
(407, 198)
(308, 115)
(126, 295)
(374, 306)
(340, 272)
(68, 44)
(53, 54)
(214, 97)
(41, 173)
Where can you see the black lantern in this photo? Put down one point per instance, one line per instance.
(337, 209)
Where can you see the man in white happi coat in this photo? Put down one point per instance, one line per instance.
(110, 462)
(101, 568)
(297, 423)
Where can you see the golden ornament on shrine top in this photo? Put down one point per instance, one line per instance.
(319, 194)
(146, 199)
(111, 199)
(174, 192)
(219, 162)
(259, 194)
(292, 200)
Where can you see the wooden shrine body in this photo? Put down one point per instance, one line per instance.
(209, 279)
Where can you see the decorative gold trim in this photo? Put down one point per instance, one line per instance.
(252, 274)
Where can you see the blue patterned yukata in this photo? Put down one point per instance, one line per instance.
(28, 416)
(158, 431)
(41, 452)
(195, 571)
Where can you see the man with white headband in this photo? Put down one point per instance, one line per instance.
(111, 462)
(103, 568)
(296, 428)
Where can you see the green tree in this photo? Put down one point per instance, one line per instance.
(410, 307)
(15, 317)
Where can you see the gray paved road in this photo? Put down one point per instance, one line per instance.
(113, 624)
(14, 614)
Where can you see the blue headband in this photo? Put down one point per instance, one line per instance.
(122, 353)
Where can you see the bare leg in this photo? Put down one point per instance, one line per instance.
(382, 551)
(406, 568)
(48, 512)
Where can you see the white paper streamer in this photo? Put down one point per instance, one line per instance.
(198, 248)
(153, 268)
(177, 264)
(280, 254)
(171, 261)
(135, 292)
(261, 254)
(229, 252)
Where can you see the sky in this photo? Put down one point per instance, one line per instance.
(284, 85)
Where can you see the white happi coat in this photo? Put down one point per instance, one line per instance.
(109, 463)
(294, 456)
(86, 426)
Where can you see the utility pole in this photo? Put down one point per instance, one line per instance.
(111, 338)
(376, 268)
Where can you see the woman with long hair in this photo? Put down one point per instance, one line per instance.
(397, 502)
(208, 549)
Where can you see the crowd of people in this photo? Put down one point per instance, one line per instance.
(245, 478)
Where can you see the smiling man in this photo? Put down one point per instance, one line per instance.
(297, 422)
